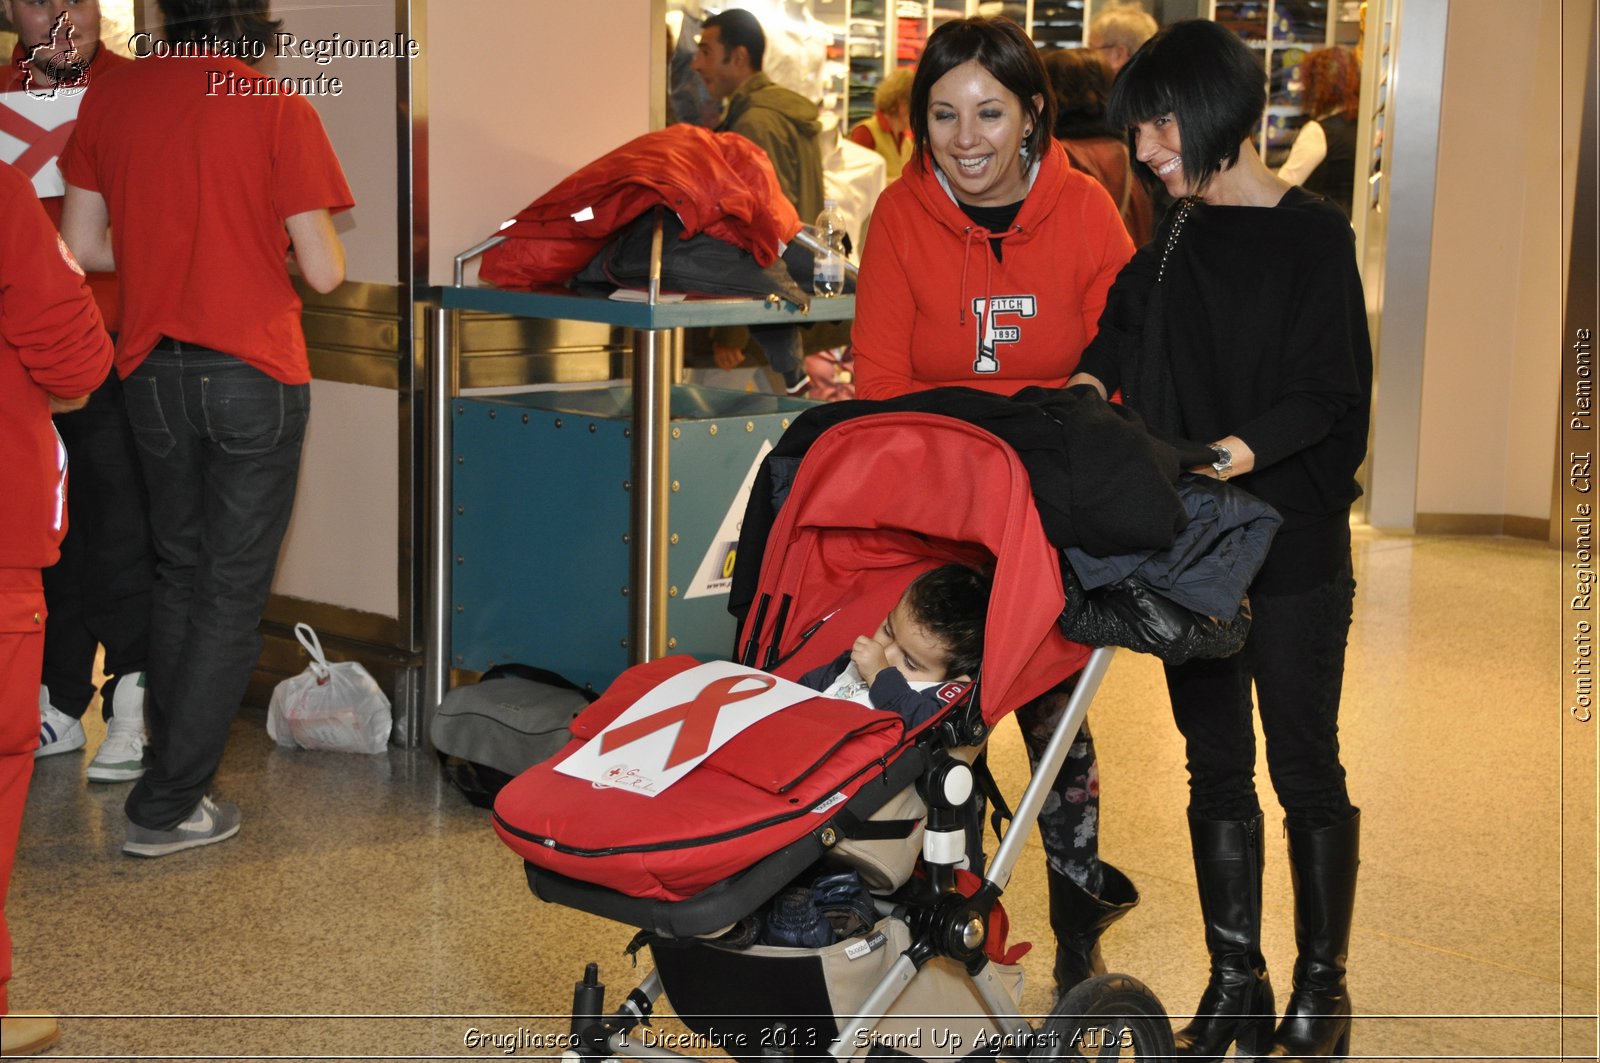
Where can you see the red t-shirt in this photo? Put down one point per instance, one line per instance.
(12, 79)
(198, 188)
(51, 342)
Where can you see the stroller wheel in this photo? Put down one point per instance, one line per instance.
(1113, 1016)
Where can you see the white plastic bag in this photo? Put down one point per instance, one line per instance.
(337, 707)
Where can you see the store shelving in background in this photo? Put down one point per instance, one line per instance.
(866, 48)
(1058, 23)
(871, 37)
(1283, 32)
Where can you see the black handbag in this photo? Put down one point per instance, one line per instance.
(1130, 613)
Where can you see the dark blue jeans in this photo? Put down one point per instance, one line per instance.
(220, 445)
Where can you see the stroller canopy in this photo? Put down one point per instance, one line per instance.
(878, 500)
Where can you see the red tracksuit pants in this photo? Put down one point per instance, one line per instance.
(21, 658)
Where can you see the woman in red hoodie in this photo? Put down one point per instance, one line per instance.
(987, 266)
(989, 262)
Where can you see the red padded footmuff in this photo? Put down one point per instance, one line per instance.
(771, 784)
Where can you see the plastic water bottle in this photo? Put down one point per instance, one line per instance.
(827, 276)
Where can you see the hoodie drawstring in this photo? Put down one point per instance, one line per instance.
(979, 236)
(966, 254)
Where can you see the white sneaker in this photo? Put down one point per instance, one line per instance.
(58, 732)
(120, 757)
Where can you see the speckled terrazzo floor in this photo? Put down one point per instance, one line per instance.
(366, 911)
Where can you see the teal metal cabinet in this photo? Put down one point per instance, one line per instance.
(541, 524)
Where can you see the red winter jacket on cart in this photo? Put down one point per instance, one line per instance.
(717, 183)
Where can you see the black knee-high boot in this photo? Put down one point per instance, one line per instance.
(1322, 865)
(1237, 1004)
(1078, 918)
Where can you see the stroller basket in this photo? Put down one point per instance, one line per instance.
(768, 1000)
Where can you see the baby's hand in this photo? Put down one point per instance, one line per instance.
(869, 658)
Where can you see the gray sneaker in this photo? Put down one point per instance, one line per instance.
(211, 821)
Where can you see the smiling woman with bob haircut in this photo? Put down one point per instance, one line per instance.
(1215, 95)
(987, 266)
(1242, 326)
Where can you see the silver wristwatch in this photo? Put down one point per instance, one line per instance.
(1224, 463)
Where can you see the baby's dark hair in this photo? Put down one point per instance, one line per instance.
(951, 603)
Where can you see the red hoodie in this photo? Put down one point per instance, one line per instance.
(934, 308)
(51, 342)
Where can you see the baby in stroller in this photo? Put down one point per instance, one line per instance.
(826, 784)
(921, 659)
(931, 641)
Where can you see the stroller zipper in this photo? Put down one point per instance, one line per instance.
(771, 660)
(805, 637)
(752, 645)
(866, 728)
(684, 843)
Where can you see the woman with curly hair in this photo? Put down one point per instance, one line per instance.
(1323, 158)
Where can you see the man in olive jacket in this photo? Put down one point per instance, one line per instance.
(783, 124)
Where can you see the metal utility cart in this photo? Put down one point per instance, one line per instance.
(644, 416)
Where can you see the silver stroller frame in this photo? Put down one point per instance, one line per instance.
(956, 928)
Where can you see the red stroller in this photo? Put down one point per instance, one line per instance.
(875, 501)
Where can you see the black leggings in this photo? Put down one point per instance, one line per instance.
(1295, 655)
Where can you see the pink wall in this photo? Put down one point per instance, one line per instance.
(519, 96)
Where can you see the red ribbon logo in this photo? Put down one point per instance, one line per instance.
(699, 718)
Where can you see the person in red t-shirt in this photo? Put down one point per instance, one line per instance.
(99, 592)
(53, 351)
(197, 195)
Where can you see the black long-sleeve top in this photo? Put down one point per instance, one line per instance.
(1265, 334)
